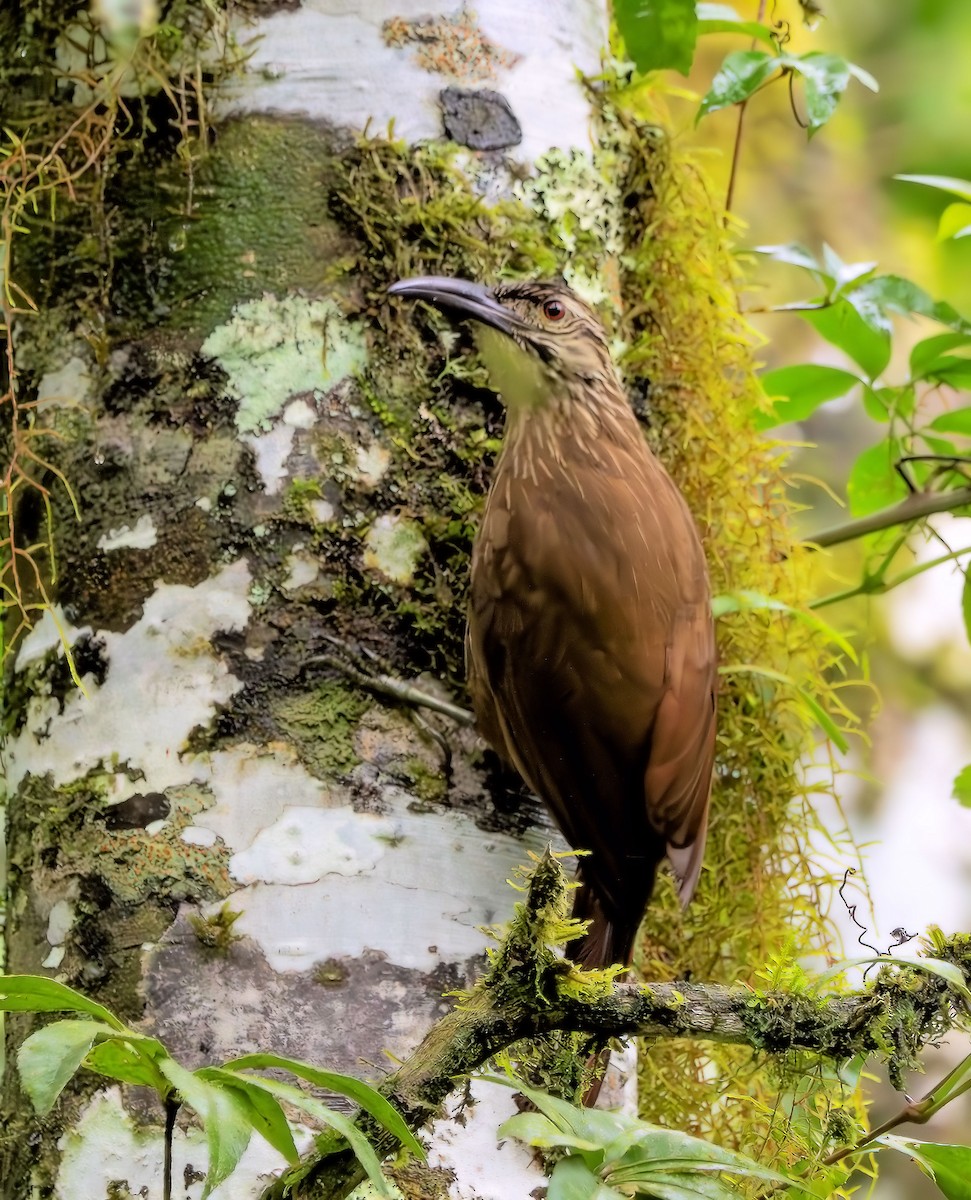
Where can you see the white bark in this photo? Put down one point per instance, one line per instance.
(322, 873)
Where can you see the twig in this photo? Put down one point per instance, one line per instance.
(913, 508)
(876, 585)
(900, 935)
(851, 912)
(172, 1106)
(737, 147)
(387, 685)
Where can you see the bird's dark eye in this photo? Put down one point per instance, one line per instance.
(553, 310)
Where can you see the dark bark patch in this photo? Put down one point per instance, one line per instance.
(138, 811)
(186, 989)
(479, 118)
(108, 588)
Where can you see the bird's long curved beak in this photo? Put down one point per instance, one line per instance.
(460, 298)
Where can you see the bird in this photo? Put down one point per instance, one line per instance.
(590, 646)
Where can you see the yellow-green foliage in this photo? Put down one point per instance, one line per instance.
(762, 894)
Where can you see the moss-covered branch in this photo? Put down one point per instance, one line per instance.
(528, 992)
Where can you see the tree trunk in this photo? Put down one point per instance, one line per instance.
(277, 474)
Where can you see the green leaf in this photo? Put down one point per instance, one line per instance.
(529, 1127)
(658, 34)
(334, 1120)
(955, 222)
(796, 256)
(130, 1060)
(928, 351)
(262, 1110)
(689, 1185)
(876, 298)
(680, 1160)
(344, 1085)
(52, 1055)
(951, 369)
(36, 993)
(846, 274)
(223, 1118)
(943, 183)
(948, 1166)
(591, 1124)
(961, 791)
(572, 1179)
(741, 74)
(877, 402)
(842, 326)
(947, 971)
(826, 77)
(874, 481)
(537, 1130)
(722, 18)
(655, 1157)
(935, 445)
(822, 718)
(958, 420)
(805, 388)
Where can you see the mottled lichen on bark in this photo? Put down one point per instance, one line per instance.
(202, 493)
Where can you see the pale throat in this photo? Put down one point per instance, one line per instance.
(520, 376)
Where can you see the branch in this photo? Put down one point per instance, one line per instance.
(529, 991)
(915, 506)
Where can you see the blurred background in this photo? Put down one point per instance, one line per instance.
(838, 187)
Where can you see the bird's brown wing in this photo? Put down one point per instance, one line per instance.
(592, 665)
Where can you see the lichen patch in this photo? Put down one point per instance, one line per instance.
(452, 45)
(273, 349)
(393, 546)
(162, 681)
(140, 536)
(270, 453)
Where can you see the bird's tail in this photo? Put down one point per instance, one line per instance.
(607, 941)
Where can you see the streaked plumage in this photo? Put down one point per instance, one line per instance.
(591, 652)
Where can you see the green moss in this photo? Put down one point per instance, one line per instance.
(298, 500)
(393, 547)
(330, 973)
(427, 783)
(322, 724)
(126, 883)
(418, 1181)
(259, 224)
(215, 931)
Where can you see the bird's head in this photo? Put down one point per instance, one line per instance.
(534, 337)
